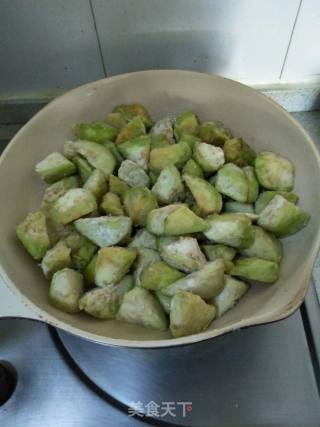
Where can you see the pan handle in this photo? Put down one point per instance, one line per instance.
(11, 304)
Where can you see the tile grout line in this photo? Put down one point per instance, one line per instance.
(290, 39)
(98, 38)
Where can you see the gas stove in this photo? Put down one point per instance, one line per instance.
(264, 375)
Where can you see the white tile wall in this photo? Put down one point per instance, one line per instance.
(242, 39)
(303, 59)
(51, 45)
(47, 45)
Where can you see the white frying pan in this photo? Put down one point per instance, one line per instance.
(260, 121)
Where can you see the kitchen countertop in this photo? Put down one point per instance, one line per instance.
(310, 120)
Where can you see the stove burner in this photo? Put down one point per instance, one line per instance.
(8, 381)
(248, 377)
(96, 389)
